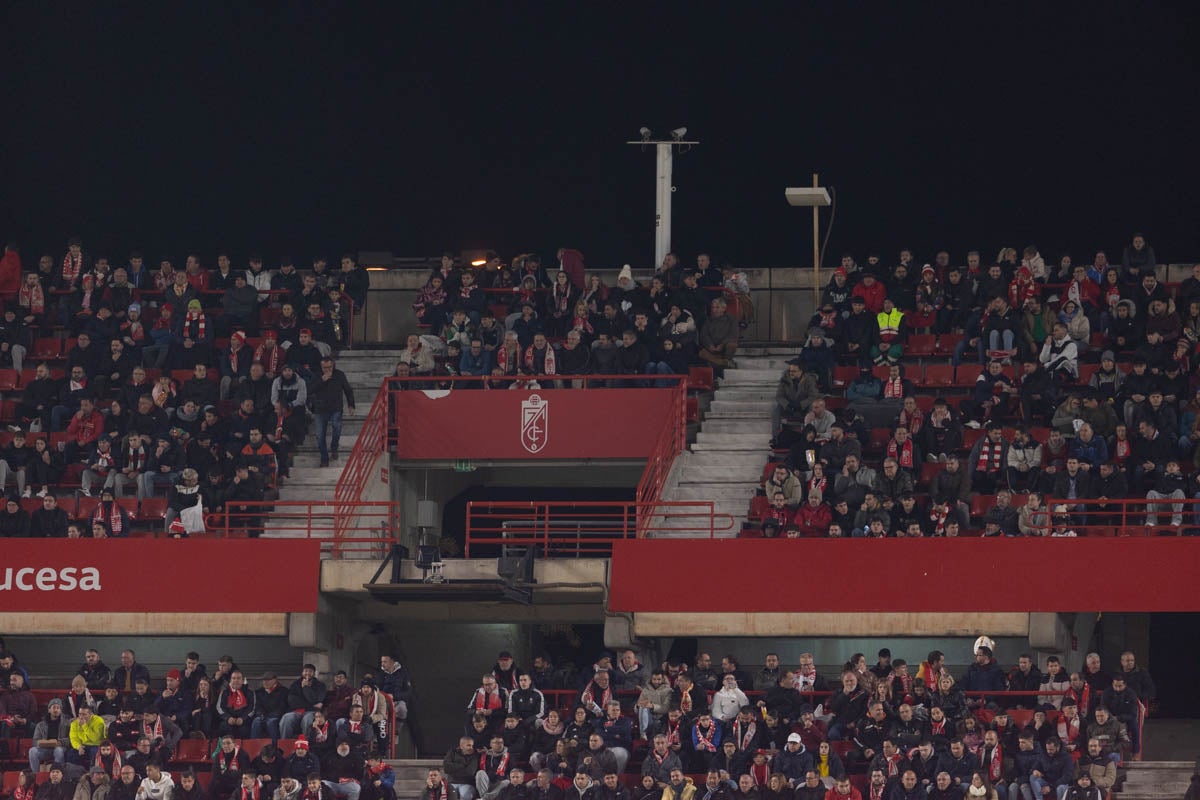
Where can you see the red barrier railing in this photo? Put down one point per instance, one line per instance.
(587, 529)
(1122, 516)
(359, 529)
(670, 444)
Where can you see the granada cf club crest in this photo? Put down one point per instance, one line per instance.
(535, 429)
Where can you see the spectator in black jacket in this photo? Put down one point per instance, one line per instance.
(271, 701)
(125, 677)
(14, 520)
(326, 391)
(14, 460)
(49, 521)
(38, 398)
(305, 695)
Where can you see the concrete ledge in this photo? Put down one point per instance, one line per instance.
(143, 624)
(829, 624)
(348, 577)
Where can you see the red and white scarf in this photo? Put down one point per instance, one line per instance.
(135, 457)
(761, 773)
(32, 298)
(322, 732)
(994, 765)
(269, 357)
(819, 484)
(73, 700)
(876, 792)
(252, 793)
(1068, 729)
(433, 793)
(893, 389)
(155, 732)
(235, 699)
(501, 768)
(548, 363)
(487, 700)
(903, 455)
(912, 421)
(704, 740)
(25, 792)
(673, 731)
(589, 695)
(227, 762)
(71, 267)
(989, 457)
(116, 526)
(200, 320)
(937, 728)
(1082, 699)
(582, 324)
(744, 734)
(111, 764)
(939, 514)
(893, 764)
(807, 679)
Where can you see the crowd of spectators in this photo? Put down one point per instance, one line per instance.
(1085, 389)
(121, 732)
(901, 731)
(188, 382)
(507, 322)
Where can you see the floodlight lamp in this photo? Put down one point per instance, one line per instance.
(678, 133)
(645, 132)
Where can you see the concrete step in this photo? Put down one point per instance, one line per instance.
(732, 459)
(719, 474)
(729, 447)
(1138, 766)
(742, 425)
(751, 375)
(744, 394)
(728, 495)
(759, 351)
(1172, 788)
(747, 439)
(761, 407)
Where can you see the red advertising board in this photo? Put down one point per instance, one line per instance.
(831, 575)
(526, 424)
(160, 575)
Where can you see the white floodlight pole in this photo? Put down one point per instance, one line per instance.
(663, 188)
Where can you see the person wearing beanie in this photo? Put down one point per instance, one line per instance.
(301, 763)
(56, 726)
(58, 787)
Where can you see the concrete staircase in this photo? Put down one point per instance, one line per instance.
(1155, 780)
(726, 461)
(309, 482)
(411, 774)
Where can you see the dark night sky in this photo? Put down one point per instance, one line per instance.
(309, 127)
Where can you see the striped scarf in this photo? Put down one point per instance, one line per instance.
(116, 526)
(32, 298)
(71, 267)
(201, 324)
(989, 457)
(269, 357)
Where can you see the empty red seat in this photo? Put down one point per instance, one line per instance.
(192, 751)
(9, 378)
(700, 379)
(46, 349)
(980, 504)
(971, 436)
(920, 345)
(1086, 371)
(152, 508)
(85, 507)
(928, 470)
(254, 746)
(844, 376)
(758, 506)
(946, 343)
(939, 374)
(880, 371)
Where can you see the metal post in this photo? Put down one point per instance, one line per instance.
(662, 203)
(816, 251)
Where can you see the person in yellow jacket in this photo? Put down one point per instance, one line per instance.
(680, 787)
(87, 732)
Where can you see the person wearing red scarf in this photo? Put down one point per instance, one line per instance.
(74, 265)
(235, 706)
(490, 700)
(314, 789)
(904, 449)
(32, 299)
(229, 763)
(380, 780)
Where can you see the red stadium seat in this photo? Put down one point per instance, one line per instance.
(970, 437)
(965, 376)
(880, 371)
(946, 343)
(192, 751)
(85, 507)
(152, 508)
(758, 506)
(928, 470)
(9, 378)
(980, 504)
(46, 349)
(254, 746)
(939, 374)
(700, 379)
(1086, 371)
(920, 345)
(844, 376)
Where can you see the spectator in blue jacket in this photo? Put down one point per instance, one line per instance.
(475, 361)
(794, 760)
(617, 732)
(1053, 768)
(985, 675)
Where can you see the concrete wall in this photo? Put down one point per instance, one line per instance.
(836, 625)
(138, 624)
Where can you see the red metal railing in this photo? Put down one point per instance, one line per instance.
(586, 529)
(364, 456)
(670, 444)
(1123, 516)
(359, 529)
